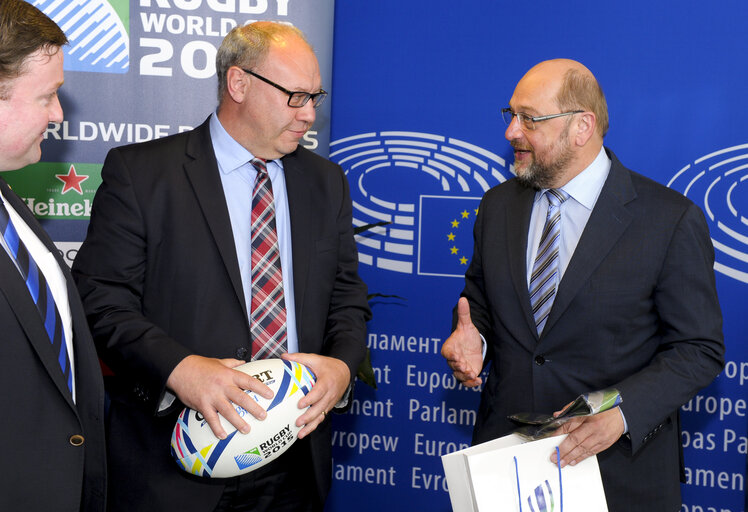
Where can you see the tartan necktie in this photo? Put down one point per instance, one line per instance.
(545, 269)
(40, 293)
(267, 322)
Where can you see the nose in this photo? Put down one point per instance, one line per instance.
(307, 113)
(513, 131)
(55, 110)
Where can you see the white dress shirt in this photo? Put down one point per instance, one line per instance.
(47, 263)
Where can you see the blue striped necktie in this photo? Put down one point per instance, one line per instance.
(545, 269)
(40, 293)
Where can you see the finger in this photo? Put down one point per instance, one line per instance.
(556, 413)
(231, 363)
(573, 447)
(308, 360)
(316, 394)
(211, 417)
(577, 455)
(246, 402)
(244, 381)
(463, 313)
(228, 411)
(471, 383)
(311, 414)
(463, 368)
(311, 426)
(467, 379)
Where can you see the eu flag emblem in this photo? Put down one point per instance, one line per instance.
(445, 243)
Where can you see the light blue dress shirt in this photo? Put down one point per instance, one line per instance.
(238, 177)
(583, 190)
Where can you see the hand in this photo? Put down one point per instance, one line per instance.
(463, 350)
(333, 378)
(209, 386)
(588, 435)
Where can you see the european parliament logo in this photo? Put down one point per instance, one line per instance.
(97, 31)
(424, 190)
(716, 182)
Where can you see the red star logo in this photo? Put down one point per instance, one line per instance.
(72, 181)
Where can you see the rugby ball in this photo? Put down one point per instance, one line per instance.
(199, 452)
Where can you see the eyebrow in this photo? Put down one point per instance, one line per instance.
(524, 109)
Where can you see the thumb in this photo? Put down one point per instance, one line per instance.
(463, 313)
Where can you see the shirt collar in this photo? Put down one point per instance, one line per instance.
(586, 186)
(231, 155)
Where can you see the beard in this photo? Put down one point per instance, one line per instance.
(541, 174)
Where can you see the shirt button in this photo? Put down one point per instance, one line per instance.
(77, 440)
(241, 353)
(539, 360)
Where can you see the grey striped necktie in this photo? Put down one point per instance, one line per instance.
(545, 269)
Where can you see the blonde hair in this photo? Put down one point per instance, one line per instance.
(581, 91)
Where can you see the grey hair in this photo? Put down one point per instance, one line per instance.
(247, 46)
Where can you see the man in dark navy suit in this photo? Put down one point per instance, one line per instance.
(52, 396)
(588, 276)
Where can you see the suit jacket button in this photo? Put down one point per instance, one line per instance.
(539, 360)
(241, 353)
(77, 440)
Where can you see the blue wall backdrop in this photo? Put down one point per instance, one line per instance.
(417, 89)
(413, 117)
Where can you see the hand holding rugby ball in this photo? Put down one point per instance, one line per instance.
(199, 452)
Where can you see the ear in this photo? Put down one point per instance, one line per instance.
(237, 84)
(585, 129)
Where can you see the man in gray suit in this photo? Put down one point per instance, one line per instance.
(588, 276)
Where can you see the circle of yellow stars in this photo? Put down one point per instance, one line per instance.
(455, 224)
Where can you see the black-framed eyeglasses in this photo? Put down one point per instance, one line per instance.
(296, 99)
(527, 122)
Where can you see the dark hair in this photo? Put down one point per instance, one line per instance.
(24, 29)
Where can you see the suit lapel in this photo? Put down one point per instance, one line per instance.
(608, 221)
(299, 207)
(15, 290)
(517, 216)
(202, 171)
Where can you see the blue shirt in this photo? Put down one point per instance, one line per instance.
(238, 177)
(583, 190)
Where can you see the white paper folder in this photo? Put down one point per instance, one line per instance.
(509, 474)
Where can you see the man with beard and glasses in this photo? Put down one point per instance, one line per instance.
(588, 276)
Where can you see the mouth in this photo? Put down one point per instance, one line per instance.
(298, 133)
(521, 153)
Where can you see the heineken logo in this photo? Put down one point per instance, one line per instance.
(57, 190)
(72, 181)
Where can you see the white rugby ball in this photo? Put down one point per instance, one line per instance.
(199, 452)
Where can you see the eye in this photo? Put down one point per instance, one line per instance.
(526, 121)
